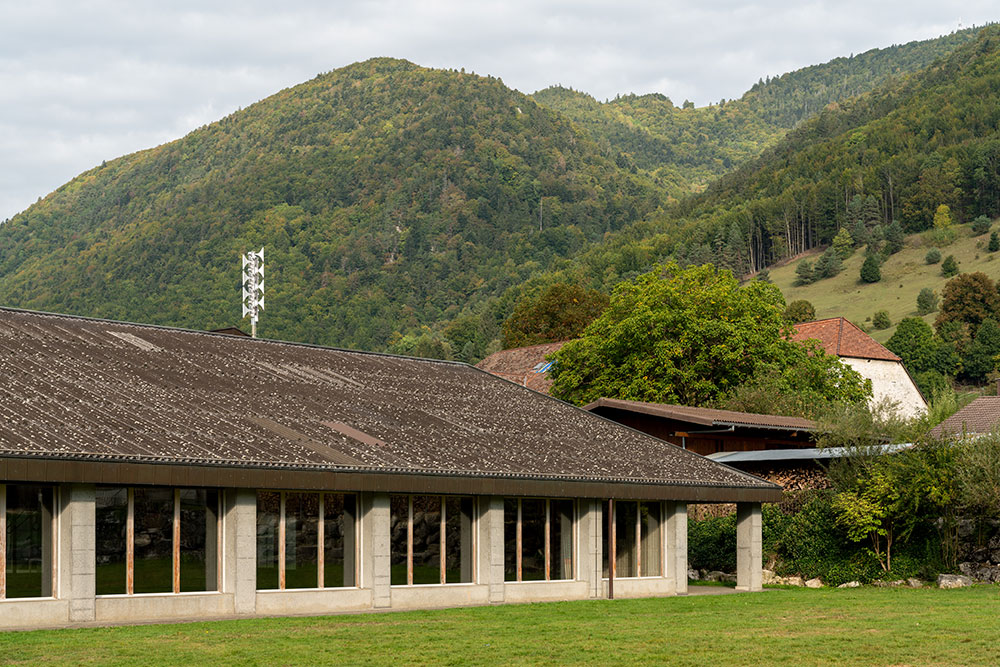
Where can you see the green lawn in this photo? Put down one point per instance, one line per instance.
(903, 276)
(795, 627)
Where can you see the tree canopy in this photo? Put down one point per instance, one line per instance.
(559, 312)
(691, 336)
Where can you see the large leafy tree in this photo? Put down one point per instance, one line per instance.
(968, 299)
(559, 312)
(691, 336)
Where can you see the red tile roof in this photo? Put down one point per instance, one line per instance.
(520, 365)
(980, 416)
(840, 337)
(706, 416)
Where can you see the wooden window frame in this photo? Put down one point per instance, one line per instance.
(613, 542)
(548, 540)
(320, 540)
(442, 538)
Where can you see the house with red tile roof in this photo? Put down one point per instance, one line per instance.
(890, 379)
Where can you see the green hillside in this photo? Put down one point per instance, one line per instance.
(904, 274)
(684, 147)
(388, 196)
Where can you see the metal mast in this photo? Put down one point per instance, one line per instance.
(253, 287)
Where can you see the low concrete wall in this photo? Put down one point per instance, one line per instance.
(33, 613)
(644, 587)
(450, 595)
(162, 607)
(313, 601)
(545, 591)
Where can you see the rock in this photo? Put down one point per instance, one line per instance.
(980, 572)
(715, 575)
(814, 583)
(913, 582)
(888, 584)
(850, 584)
(693, 575)
(953, 581)
(768, 577)
(794, 581)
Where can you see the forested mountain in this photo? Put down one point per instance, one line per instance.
(684, 147)
(387, 196)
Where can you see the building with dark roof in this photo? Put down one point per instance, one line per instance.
(978, 417)
(149, 473)
(889, 377)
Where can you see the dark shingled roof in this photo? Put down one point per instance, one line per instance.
(83, 389)
(980, 416)
(706, 416)
(838, 336)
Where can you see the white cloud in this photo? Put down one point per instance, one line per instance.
(84, 82)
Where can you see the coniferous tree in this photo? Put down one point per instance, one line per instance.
(894, 238)
(949, 267)
(871, 272)
(843, 243)
(994, 244)
(804, 273)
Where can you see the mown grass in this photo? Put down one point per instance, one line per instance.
(794, 627)
(903, 276)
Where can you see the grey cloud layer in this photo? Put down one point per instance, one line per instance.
(84, 82)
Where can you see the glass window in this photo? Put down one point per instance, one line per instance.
(154, 541)
(268, 515)
(339, 539)
(649, 523)
(399, 513)
(510, 542)
(111, 518)
(532, 539)
(458, 539)
(301, 540)
(426, 539)
(626, 564)
(199, 547)
(561, 539)
(29, 541)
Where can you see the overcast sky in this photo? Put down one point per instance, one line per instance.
(90, 80)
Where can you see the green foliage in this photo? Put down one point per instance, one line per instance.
(949, 267)
(689, 336)
(800, 310)
(804, 273)
(927, 301)
(712, 544)
(942, 217)
(828, 265)
(931, 382)
(981, 357)
(980, 225)
(880, 320)
(933, 256)
(557, 313)
(994, 243)
(978, 475)
(871, 271)
(843, 244)
(967, 300)
(894, 238)
(916, 345)
(763, 275)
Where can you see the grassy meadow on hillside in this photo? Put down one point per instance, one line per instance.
(903, 276)
(863, 626)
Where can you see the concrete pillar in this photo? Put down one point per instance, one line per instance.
(675, 545)
(491, 546)
(748, 547)
(77, 553)
(240, 557)
(590, 552)
(375, 548)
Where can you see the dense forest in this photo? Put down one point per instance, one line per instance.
(409, 209)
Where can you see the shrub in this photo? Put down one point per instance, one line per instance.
(927, 301)
(980, 225)
(931, 383)
(942, 217)
(804, 273)
(828, 266)
(949, 267)
(933, 256)
(994, 244)
(870, 270)
(763, 276)
(880, 320)
(800, 310)
(712, 544)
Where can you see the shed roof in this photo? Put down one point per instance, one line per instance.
(840, 337)
(706, 416)
(525, 366)
(980, 416)
(82, 389)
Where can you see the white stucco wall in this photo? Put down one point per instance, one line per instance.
(890, 381)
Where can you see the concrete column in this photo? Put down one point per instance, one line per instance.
(491, 546)
(748, 547)
(240, 557)
(77, 553)
(375, 548)
(590, 553)
(675, 545)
